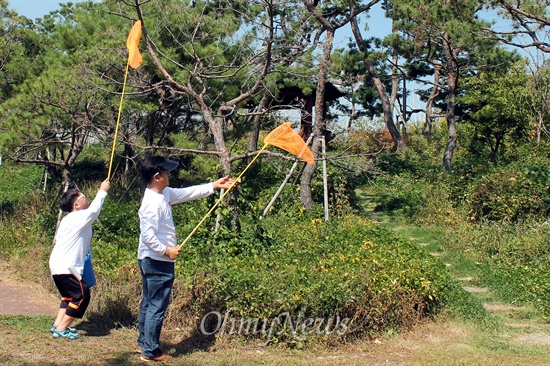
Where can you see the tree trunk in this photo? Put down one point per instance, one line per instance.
(319, 123)
(215, 126)
(388, 113)
(428, 128)
(256, 123)
(539, 127)
(386, 103)
(452, 82)
(150, 130)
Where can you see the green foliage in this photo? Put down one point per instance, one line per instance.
(403, 196)
(508, 244)
(24, 211)
(512, 193)
(17, 183)
(86, 170)
(348, 267)
(21, 47)
(511, 259)
(55, 109)
(214, 37)
(353, 62)
(495, 103)
(201, 166)
(405, 181)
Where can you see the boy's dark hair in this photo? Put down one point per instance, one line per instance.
(68, 199)
(154, 164)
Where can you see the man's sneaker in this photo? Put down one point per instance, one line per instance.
(54, 328)
(65, 334)
(158, 358)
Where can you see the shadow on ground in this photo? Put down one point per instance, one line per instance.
(96, 324)
(196, 342)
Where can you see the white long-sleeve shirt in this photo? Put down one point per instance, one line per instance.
(155, 219)
(74, 237)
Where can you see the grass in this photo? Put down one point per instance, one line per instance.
(495, 340)
(506, 321)
(26, 341)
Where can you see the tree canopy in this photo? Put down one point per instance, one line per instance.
(214, 71)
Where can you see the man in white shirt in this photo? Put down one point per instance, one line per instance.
(72, 242)
(158, 246)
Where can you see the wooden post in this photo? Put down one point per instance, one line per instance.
(325, 181)
(290, 172)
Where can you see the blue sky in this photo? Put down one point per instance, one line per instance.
(36, 8)
(378, 24)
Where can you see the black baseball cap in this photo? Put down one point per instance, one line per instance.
(167, 166)
(154, 164)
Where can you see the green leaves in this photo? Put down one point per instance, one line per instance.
(349, 267)
(513, 194)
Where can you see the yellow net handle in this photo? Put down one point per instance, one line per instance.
(118, 120)
(223, 196)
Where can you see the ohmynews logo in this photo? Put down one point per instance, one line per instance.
(217, 323)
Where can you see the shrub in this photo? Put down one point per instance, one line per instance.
(17, 183)
(348, 268)
(89, 170)
(24, 210)
(513, 193)
(364, 141)
(401, 194)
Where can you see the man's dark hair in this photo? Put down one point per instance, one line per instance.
(68, 199)
(154, 164)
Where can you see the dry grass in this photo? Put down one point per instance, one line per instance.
(26, 341)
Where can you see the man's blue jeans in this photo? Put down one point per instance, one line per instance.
(158, 278)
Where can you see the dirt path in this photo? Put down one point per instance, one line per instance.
(528, 326)
(23, 297)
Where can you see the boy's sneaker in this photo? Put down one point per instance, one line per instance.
(65, 334)
(54, 328)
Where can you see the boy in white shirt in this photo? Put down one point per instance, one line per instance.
(72, 242)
